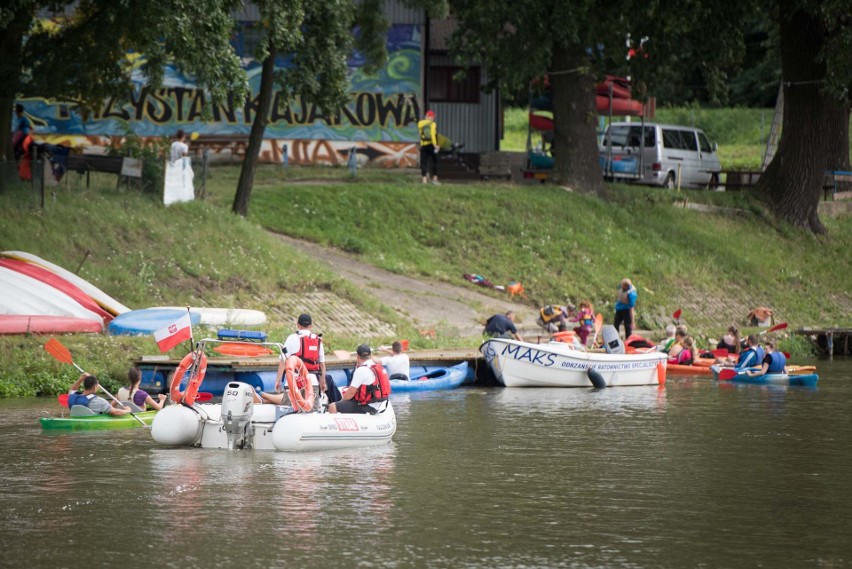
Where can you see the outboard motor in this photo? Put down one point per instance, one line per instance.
(237, 411)
(612, 342)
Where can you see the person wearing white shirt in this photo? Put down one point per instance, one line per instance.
(364, 375)
(397, 365)
(179, 148)
(309, 348)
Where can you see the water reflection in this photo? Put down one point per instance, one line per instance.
(546, 400)
(698, 474)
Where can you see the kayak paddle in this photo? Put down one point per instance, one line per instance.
(63, 399)
(775, 328)
(598, 326)
(55, 348)
(727, 374)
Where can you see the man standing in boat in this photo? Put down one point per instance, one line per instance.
(308, 346)
(89, 398)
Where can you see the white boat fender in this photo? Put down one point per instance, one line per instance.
(176, 425)
(596, 378)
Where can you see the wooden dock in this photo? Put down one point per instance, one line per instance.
(829, 341)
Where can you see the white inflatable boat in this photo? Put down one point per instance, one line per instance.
(239, 423)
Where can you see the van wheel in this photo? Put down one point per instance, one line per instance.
(670, 182)
(714, 182)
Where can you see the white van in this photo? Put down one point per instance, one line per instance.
(665, 155)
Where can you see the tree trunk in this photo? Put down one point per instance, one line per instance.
(11, 43)
(258, 126)
(815, 135)
(575, 148)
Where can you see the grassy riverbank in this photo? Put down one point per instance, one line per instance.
(560, 245)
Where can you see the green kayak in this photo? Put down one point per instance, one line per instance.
(96, 422)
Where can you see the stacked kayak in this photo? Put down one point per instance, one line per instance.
(148, 320)
(100, 297)
(96, 422)
(797, 375)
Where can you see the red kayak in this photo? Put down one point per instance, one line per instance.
(57, 282)
(41, 324)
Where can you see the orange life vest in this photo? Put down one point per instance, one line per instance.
(377, 391)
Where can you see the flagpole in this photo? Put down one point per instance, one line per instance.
(191, 339)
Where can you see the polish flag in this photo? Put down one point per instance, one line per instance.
(173, 334)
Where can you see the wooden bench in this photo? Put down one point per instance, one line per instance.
(832, 179)
(118, 165)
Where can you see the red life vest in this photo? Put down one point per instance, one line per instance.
(309, 351)
(377, 391)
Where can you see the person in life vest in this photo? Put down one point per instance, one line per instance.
(429, 147)
(773, 362)
(309, 348)
(751, 356)
(666, 343)
(369, 389)
(89, 398)
(554, 318)
(625, 307)
(586, 319)
(685, 356)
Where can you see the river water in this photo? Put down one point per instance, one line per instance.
(697, 474)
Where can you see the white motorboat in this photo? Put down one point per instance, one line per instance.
(559, 364)
(239, 423)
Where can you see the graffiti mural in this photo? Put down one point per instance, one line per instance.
(379, 119)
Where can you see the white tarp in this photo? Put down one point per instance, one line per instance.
(178, 184)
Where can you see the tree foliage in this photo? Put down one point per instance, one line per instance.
(81, 53)
(316, 38)
(690, 45)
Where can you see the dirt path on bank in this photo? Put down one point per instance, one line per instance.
(431, 305)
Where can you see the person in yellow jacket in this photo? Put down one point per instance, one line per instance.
(429, 147)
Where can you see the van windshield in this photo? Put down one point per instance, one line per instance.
(628, 135)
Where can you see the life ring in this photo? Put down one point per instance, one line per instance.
(188, 397)
(566, 336)
(299, 385)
